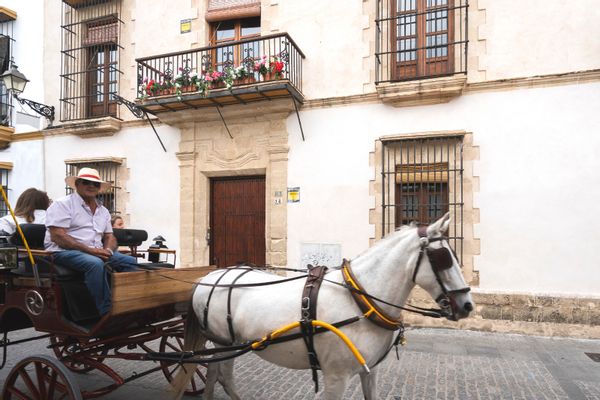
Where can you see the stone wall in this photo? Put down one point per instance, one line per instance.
(521, 313)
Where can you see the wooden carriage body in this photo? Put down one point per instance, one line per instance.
(148, 306)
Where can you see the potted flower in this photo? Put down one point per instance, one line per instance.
(261, 66)
(276, 67)
(151, 87)
(185, 81)
(215, 79)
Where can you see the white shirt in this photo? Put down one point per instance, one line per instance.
(7, 224)
(71, 212)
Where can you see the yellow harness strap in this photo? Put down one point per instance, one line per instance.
(370, 310)
(260, 343)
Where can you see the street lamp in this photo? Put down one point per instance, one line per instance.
(15, 81)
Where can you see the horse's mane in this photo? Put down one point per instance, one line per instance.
(394, 236)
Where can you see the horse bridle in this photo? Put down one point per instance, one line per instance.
(439, 259)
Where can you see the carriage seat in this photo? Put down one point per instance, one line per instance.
(79, 304)
(35, 234)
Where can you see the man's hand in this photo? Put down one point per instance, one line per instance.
(66, 241)
(104, 254)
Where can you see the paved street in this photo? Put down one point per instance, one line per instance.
(435, 364)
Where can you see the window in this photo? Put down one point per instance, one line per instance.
(423, 29)
(5, 58)
(420, 39)
(232, 30)
(422, 191)
(4, 170)
(108, 169)
(422, 180)
(102, 80)
(90, 57)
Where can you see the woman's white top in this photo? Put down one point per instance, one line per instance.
(7, 224)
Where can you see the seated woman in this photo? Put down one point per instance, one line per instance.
(117, 222)
(30, 209)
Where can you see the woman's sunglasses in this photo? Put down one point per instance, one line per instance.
(87, 183)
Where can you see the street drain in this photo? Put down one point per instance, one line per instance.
(594, 356)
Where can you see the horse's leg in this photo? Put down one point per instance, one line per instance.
(225, 378)
(335, 385)
(369, 384)
(212, 373)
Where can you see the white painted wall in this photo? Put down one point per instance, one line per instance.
(153, 183)
(28, 52)
(28, 167)
(537, 37)
(539, 183)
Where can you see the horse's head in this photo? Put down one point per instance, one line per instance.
(438, 272)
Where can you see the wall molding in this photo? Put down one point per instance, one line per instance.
(539, 81)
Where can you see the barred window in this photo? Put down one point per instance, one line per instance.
(108, 168)
(6, 45)
(422, 180)
(90, 49)
(420, 39)
(4, 170)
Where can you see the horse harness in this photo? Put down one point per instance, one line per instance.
(440, 260)
(308, 312)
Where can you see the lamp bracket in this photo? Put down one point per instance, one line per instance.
(42, 109)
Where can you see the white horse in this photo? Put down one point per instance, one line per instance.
(387, 271)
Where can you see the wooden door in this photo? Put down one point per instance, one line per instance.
(237, 221)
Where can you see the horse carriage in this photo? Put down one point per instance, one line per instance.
(348, 331)
(147, 315)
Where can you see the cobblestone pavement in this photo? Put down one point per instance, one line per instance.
(435, 364)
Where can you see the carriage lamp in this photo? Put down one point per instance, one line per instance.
(15, 82)
(158, 244)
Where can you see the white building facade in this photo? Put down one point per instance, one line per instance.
(382, 112)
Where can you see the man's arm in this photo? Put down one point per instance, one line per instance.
(110, 242)
(66, 241)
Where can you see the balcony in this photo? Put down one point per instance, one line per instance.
(240, 72)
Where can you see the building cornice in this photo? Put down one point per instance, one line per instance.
(539, 81)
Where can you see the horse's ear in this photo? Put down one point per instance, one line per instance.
(439, 226)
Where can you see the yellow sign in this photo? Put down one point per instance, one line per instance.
(293, 195)
(185, 26)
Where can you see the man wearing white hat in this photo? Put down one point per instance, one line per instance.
(80, 235)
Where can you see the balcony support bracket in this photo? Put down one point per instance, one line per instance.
(298, 116)
(224, 123)
(138, 113)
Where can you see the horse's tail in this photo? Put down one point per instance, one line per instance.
(192, 340)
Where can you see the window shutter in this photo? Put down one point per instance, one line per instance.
(99, 34)
(422, 173)
(221, 10)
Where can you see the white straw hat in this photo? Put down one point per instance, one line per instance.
(89, 174)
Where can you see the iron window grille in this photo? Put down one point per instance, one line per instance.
(91, 47)
(422, 179)
(419, 39)
(108, 171)
(6, 46)
(4, 182)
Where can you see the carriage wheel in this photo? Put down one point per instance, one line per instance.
(174, 343)
(40, 377)
(64, 353)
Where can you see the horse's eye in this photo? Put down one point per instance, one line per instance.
(440, 259)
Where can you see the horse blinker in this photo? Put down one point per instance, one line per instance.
(440, 259)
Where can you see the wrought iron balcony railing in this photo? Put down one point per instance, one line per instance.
(210, 70)
(420, 39)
